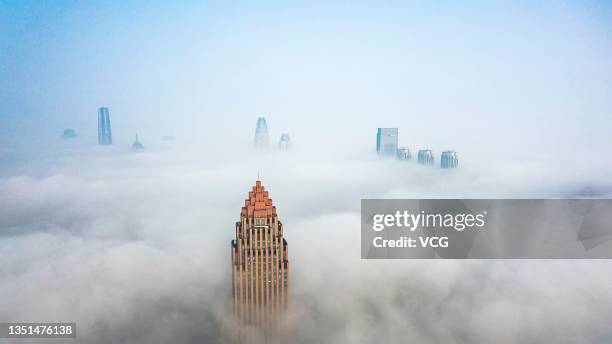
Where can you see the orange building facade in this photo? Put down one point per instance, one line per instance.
(260, 265)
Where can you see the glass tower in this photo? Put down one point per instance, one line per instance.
(261, 134)
(105, 136)
(283, 144)
(386, 141)
(450, 159)
(425, 157)
(404, 153)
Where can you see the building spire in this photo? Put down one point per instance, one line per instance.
(137, 145)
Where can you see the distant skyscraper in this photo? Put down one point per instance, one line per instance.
(386, 141)
(105, 136)
(404, 154)
(425, 157)
(69, 134)
(450, 159)
(260, 265)
(262, 140)
(137, 145)
(283, 144)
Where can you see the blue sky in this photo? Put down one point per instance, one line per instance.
(473, 76)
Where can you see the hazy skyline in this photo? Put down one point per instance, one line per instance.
(135, 247)
(521, 79)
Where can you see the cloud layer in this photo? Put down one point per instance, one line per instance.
(135, 248)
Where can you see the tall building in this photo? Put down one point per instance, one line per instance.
(69, 134)
(283, 144)
(261, 134)
(137, 145)
(386, 141)
(404, 153)
(105, 136)
(425, 157)
(450, 159)
(260, 265)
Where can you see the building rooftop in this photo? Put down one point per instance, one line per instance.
(258, 204)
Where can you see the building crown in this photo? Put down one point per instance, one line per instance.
(259, 204)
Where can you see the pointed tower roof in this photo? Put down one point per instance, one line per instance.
(259, 204)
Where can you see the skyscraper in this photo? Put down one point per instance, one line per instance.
(404, 153)
(69, 134)
(283, 144)
(105, 136)
(260, 265)
(137, 145)
(450, 159)
(261, 134)
(386, 141)
(425, 157)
